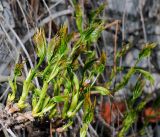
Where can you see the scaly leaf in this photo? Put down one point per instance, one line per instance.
(79, 18)
(96, 32)
(146, 51)
(101, 90)
(58, 99)
(125, 79)
(40, 41)
(146, 74)
(18, 69)
(137, 91)
(83, 130)
(127, 122)
(63, 33)
(52, 47)
(76, 82)
(123, 51)
(88, 65)
(96, 12)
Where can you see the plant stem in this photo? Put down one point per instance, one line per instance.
(13, 86)
(41, 99)
(26, 87)
(27, 84)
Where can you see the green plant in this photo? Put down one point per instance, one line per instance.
(72, 83)
(63, 70)
(131, 115)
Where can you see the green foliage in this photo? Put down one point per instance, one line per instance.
(146, 51)
(88, 114)
(130, 118)
(123, 51)
(63, 70)
(146, 74)
(137, 91)
(92, 33)
(13, 84)
(101, 90)
(125, 79)
(79, 18)
(71, 83)
(40, 42)
(132, 114)
(95, 13)
(136, 105)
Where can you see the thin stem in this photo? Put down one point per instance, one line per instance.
(27, 84)
(41, 99)
(26, 87)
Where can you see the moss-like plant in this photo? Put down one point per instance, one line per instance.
(71, 82)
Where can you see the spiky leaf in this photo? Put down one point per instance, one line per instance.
(146, 51)
(79, 17)
(40, 41)
(101, 90)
